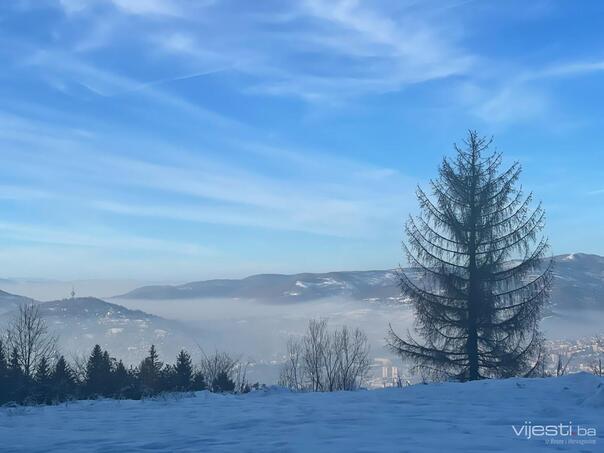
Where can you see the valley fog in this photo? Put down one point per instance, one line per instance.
(251, 330)
(572, 324)
(257, 332)
(260, 330)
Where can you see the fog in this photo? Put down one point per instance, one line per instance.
(571, 325)
(257, 332)
(260, 330)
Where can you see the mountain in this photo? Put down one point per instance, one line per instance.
(82, 322)
(10, 302)
(282, 288)
(578, 283)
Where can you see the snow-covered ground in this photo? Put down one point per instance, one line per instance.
(450, 417)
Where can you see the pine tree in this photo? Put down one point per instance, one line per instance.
(150, 371)
(63, 380)
(223, 383)
(482, 280)
(43, 391)
(62, 371)
(134, 390)
(42, 371)
(98, 373)
(183, 371)
(17, 385)
(120, 379)
(14, 365)
(199, 382)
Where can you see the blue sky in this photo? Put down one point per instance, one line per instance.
(184, 140)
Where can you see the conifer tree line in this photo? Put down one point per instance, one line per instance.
(32, 372)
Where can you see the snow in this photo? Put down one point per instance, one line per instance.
(115, 331)
(451, 417)
(160, 333)
(597, 399)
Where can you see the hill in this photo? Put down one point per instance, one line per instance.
(578, 283)
(82, 322)
(10, 302)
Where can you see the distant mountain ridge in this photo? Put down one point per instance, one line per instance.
(280, 287)
(578, 283)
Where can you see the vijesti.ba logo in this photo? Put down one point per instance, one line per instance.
(560, 433)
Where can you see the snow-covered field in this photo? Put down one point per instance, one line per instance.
(450, 417)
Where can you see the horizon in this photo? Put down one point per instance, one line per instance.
(147, 141)
(37, 280)
(110, 288)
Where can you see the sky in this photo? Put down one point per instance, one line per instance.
(182, 140)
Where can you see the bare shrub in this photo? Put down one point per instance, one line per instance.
(562, 363)
(323, 361)
(223, 372)
(211, 366)
(28, 334)
(314, 344)
(352, 357)
(293, 373)
(78, 365)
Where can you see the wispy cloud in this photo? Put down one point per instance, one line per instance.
(342, 198)
(109, 84)
(140, 126)
(101, 238)
(357, 48)
(523, 95)
(511, 103)
(135, 7)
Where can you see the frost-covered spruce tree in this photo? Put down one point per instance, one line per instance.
(481, 278)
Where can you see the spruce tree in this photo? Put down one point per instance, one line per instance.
(120, 380)
(150, 371)
(17, 382)
(98, 373)
(481, 279)
(183, 371)
(42, 382)
(223, 383)
(63, 380)
(199, 382)
(42, 371)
